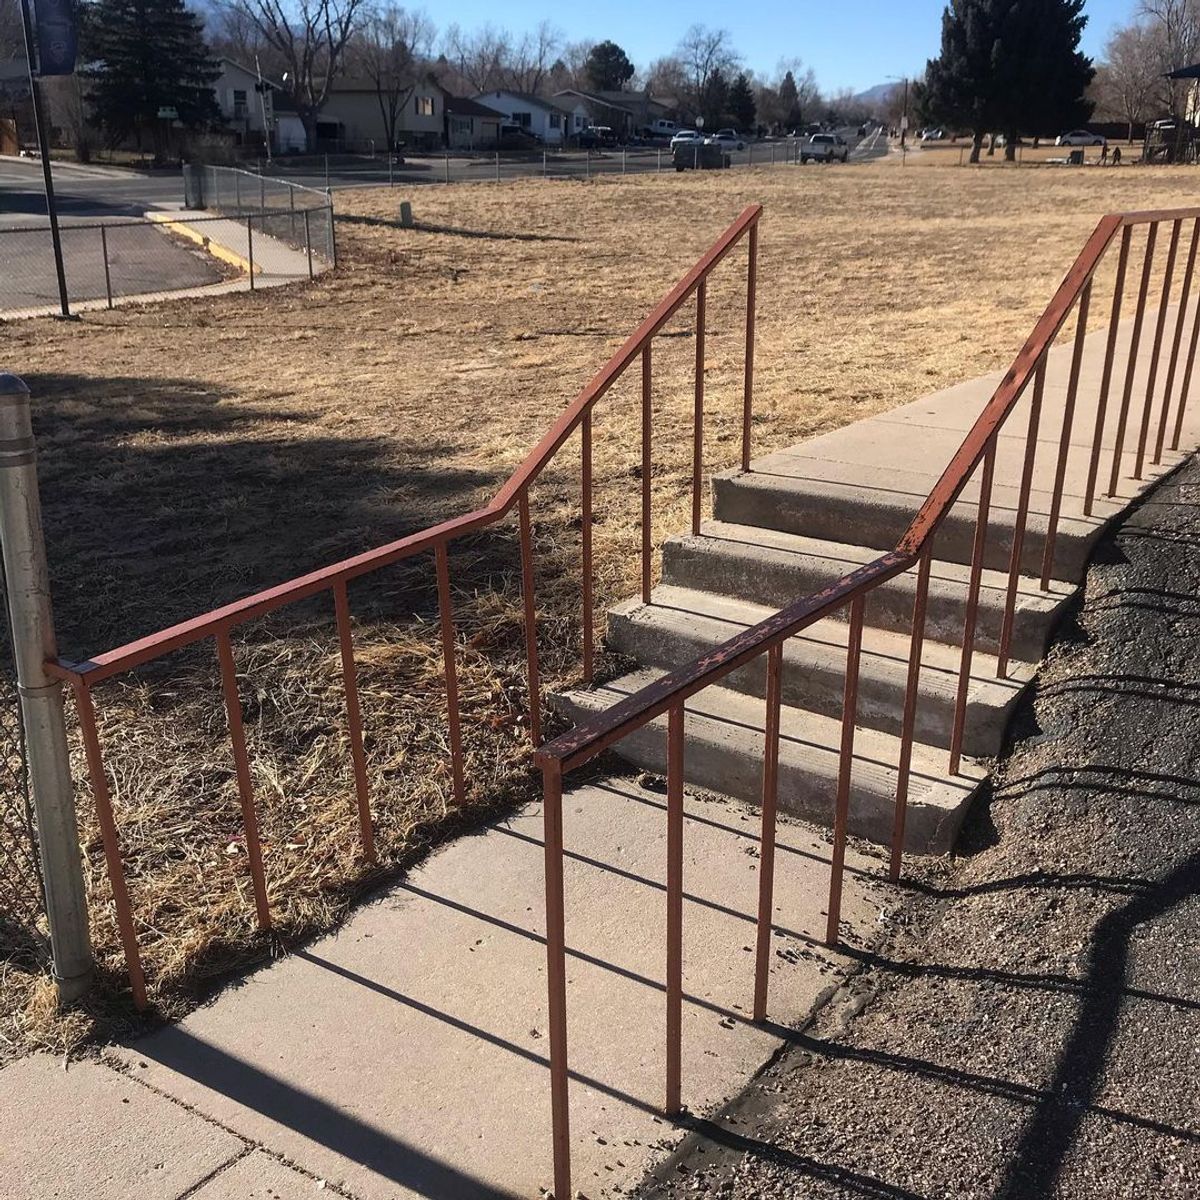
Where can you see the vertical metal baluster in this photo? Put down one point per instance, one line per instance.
(698, 416)
(450, 669)
(770, 802)
(531, 647)
(1184, 295)
(585, 443)
(674, 908)
(845, 766)
(1185, 387)
(1159, 325)
(1018, 545)
(111, 842)
(341, 604)
(107, 275)
(964, 674)
(911, 695)
(1131, 365)
(241, 762)
(646, 532)
(748, 390)
(1064, 442)
(556, 973)
(1114, 323)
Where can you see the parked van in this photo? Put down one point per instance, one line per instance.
(662, 128)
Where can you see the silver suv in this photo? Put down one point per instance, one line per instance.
(825, 147)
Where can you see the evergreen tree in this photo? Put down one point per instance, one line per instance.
(608, 68)
(789, 102)
(741, 102)
(1007, 65)
(143, 56)
(714, 100)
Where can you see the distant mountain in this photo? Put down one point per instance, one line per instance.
(875, 95)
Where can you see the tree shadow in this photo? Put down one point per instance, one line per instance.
(452, 230)
(163, 499)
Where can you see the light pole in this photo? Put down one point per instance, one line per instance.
(904, 110)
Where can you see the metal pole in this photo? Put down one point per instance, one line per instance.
(107, 278)
(237, 191)
(39, 127)
(327, 172)
(308, 243)
(543, 162)
(250, 248)
(623, 153)
(332, 235)
(660, 158)
(587, 164)
(391, 160)
(447, 166)
(51, 789)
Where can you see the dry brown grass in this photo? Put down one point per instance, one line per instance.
(195, 451)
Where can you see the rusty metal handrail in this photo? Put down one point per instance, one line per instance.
(669, 693)
(219, 623)
(221, 620)
(594, 734)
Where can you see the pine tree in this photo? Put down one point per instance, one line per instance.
(714, 101)
(608, 68)
(1007, 65)
(741, 102)
(143, 56)
(789, 102)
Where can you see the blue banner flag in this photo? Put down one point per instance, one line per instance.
(57, 37)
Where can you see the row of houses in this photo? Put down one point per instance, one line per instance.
(431, 117)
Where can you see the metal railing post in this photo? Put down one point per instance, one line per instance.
(51, 789)
(237, 190)
(327, 172)
(659, 171)
(543, 162)
(308, 243)
(332, 232)
(250, 249)
(497, 166)
(623, 154)
(107, 277)
(587, 164)
(447, 166)
(391, 168)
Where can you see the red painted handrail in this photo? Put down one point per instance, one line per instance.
(221, 620)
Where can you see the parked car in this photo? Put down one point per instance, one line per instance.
(1079, 137)
(825, 147)
(933, 135)
(597, 135)
(727, 139)
(662, 128)
(687, 137)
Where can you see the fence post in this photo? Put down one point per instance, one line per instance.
(32, 624)
(107, 277)
(660, 159)
(623, 152)
(262, 194)
(308, 242)
(497, 166)
(391, 160)
(250, 248)
(332, 234)
(587, 163)
(447, 166)
(543, 162)
(237, 190)
(327, 172)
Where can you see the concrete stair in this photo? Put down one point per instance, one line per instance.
(723, 753)
(803, 517)
(680, 624)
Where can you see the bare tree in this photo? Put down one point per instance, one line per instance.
(480, 58)
(1128, 80)
(391, 49)
(531, 59)
(309, 39)
(1173, 33)
(701, 52)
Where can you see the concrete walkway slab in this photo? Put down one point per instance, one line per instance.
(258, 1176)
(85, 1132)
(407, 1054)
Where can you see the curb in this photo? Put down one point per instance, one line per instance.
(204, 241)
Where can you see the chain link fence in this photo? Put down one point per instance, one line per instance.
(22, 902)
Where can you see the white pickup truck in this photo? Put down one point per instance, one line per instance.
(825, 147)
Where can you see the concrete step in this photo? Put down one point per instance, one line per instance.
(877, 517)
(767, 566)
(680, 625)
(724, 731)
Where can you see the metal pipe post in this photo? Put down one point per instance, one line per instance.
(107, 276)
(447, 166)
(250, 248)
(308, 242)
(32, 624)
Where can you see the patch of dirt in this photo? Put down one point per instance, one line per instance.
(1032, 1028)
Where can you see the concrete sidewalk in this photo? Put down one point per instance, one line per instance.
(406, 1055)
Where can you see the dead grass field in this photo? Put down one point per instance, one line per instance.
(194, 451)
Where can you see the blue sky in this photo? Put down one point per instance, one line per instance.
(855, 43)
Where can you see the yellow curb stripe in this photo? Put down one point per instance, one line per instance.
(203, 240)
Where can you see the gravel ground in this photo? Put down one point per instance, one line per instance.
(1029, 1026)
